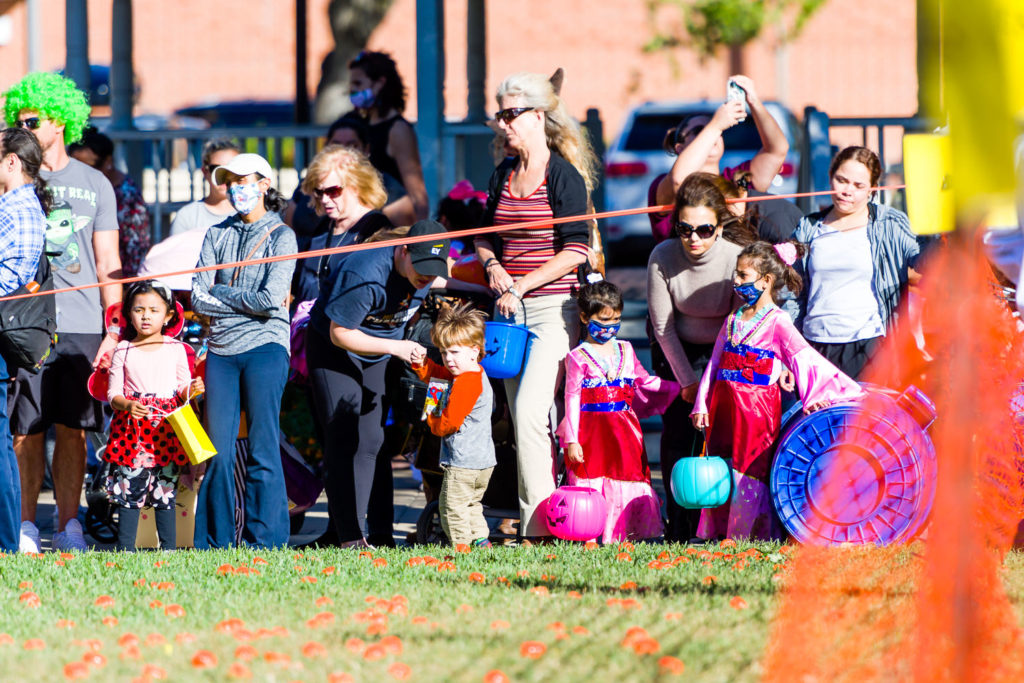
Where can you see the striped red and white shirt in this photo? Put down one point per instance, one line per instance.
(526, 250)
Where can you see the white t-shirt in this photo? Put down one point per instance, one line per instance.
(195, 215)
(841, 305)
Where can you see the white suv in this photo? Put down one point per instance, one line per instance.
(636, 157)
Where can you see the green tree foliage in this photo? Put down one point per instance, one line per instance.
(708, 25)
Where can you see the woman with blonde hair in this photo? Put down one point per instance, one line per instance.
(533, 271)
(343, 185)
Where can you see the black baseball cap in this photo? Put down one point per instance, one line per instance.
(429, 258)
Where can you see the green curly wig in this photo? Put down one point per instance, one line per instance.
(54, 97)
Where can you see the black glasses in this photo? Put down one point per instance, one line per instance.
(511, 114)
(31, 123)
(685, 230)
(334, 191)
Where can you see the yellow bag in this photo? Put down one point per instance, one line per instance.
(194, 439)
(184, 517)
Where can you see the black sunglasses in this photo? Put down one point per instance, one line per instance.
(685, 230)
(334, 191)
(31, 123)
(511, 114)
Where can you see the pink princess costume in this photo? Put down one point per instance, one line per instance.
(605, 398)
(740, 392)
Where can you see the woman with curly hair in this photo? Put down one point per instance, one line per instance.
(378, 93)
(533, 271)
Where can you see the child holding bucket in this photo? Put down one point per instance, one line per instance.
(463, 420)
(607, 391)
(149, 377)
(738, 399)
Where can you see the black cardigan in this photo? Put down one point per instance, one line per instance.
(567, 196)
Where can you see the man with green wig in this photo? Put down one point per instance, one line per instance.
(82, 242)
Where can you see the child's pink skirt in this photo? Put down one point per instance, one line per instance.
(634, 509)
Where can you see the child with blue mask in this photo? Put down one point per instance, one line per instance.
(607, 393)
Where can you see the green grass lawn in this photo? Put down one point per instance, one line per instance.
(460, 621)
(394, 615)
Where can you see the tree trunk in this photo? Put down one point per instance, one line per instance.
(737, 61)
(352, 22)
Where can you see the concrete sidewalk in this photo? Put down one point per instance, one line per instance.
(409, 503)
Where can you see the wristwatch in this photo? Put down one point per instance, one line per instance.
(515, 292)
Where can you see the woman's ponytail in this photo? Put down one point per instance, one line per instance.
(43, 193)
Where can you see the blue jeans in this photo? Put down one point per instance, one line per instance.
(252, 381)
(10, 482)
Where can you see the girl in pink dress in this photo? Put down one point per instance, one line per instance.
(149, 377)
(738, 399)
(607, 391)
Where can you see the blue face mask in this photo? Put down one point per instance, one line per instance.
(749, 292)
(602, 333)
(362, 99)
(244, 197)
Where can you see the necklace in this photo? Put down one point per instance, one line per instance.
(755, 323)
(621, 361)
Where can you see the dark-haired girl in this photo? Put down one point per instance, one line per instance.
(607, 392)
(378, 93)
(739, 400)
(858, 264)
(149, 377)
(247, 365)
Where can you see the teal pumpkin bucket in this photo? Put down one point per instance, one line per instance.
(505, 349)
(702, 482)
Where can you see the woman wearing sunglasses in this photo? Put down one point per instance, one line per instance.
(532, 271)
(344, 186)
(697, 145)
(689, 295)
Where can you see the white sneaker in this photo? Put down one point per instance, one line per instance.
(29, 540)
(71, 538)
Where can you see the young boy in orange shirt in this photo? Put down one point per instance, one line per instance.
(464, 423)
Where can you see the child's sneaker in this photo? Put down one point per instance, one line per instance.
(482, 543)
(28, 542)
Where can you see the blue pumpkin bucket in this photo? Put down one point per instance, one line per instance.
(506, 348)
(701, 482)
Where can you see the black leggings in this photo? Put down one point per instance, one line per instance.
(348, 395)
(128, 528)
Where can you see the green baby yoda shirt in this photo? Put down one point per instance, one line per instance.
(83, 203)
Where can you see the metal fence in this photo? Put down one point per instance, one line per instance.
(168, 162)
(818, 147)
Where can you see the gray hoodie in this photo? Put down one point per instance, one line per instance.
(252, 311)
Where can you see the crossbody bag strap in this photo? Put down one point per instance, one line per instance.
(253, 251)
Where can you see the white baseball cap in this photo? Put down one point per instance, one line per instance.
(243, 165)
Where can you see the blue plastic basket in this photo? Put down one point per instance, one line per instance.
(506, 347)
(885, 467)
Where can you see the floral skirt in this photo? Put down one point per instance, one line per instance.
(139, 487)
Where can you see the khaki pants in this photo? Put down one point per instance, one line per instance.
(554, 323)
(462, 515)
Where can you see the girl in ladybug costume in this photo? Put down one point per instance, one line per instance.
(149, 377)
